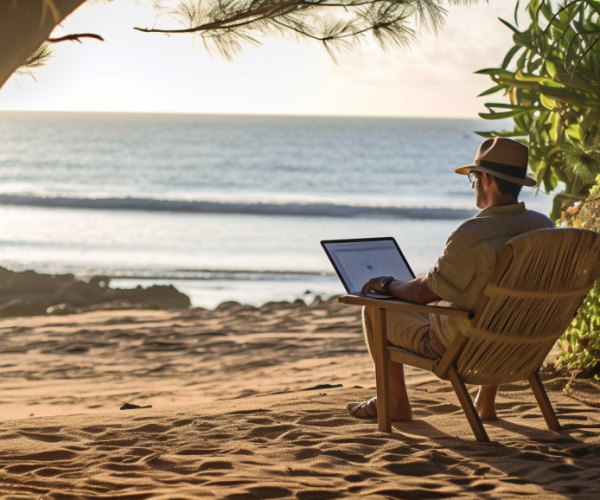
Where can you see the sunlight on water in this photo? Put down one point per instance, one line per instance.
(168, 196)
(101, 242)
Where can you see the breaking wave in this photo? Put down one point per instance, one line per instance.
(298, 209)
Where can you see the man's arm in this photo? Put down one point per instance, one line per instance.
(415, 290)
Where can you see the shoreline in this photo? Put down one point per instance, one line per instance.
(27, 293)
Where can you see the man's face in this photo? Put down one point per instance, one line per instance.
(481, 191)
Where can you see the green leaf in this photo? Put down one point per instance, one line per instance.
(594, 4)
(487, 135)
(492, 90)
(503, 105)
(532, 7)
(523, 121)
(520, 76)
(547, 102)
(551, 68)
(505, 133)
(506, 23)
(522, 60)
(553, 132)
(493, 72)
(501, 116)
(546, 10)
(574, 132)
(511, 53)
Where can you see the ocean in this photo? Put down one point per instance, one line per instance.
(227, 207)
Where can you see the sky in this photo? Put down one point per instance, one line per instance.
(142, 72)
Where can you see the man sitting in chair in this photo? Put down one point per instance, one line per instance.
(460, 273)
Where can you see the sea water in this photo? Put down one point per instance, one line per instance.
(227, 207)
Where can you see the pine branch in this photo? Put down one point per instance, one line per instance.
(74, 38)
(225, 25)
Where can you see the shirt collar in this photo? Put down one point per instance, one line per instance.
(515, 208)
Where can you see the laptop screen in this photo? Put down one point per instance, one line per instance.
(357, 261)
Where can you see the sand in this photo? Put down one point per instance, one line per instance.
(250, 403)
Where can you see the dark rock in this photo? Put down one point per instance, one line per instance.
(80, 293)
(164, 297)
(30, 282)
(316, 302)
(284, 304)
(230, 304)
(100, 281)
(29, 293)
(19, 307)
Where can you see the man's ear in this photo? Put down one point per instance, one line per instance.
(487, 179)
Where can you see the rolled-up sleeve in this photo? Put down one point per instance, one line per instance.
(453, 271)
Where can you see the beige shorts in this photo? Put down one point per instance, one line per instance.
(404, 329)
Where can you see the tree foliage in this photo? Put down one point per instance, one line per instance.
(580, 345)
(552, 78)
(226, 25)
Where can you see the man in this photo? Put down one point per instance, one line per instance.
(460, 273)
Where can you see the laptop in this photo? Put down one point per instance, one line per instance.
(356, 261)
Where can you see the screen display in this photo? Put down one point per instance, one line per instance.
(357, 261)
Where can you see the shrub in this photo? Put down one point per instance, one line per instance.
(580, 345)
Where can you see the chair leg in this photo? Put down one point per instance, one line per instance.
(467, 405)
(543, 401)
(382, 358)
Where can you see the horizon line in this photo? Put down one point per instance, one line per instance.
(190, 113)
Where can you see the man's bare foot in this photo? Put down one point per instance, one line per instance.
(485, 402)
(484, 411)
(368, 410)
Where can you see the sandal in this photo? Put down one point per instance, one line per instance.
(365, 410)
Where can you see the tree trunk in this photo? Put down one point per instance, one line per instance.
(24, 26)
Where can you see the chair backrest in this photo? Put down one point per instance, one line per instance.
(537, 286)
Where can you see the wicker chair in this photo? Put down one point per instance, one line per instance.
(535, 289)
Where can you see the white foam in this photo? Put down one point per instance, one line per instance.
(307, 209)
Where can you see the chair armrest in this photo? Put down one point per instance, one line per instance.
(399, 305)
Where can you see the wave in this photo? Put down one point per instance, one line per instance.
(224, 275)
(239, 207)
(158, 274)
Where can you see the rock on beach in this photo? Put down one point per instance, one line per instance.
(28, 293)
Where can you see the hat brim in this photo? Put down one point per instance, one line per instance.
(527, 181)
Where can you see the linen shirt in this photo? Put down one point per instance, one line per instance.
(471, 252)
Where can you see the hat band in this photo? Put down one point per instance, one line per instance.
(502, 168)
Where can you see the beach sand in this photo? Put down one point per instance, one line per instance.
(250, 403)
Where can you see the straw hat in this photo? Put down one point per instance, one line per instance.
(503, 158)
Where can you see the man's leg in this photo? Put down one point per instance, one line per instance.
(406, 330)
(485, 402)
(401, 410)
(411, 326)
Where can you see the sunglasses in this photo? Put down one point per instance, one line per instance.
(472, 179)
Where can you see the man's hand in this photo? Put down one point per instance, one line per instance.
(415, 290)
(373, 285)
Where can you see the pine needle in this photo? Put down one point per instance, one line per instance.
(225, 26)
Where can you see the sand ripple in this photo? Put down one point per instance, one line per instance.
(300, 445)
(250, 404)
